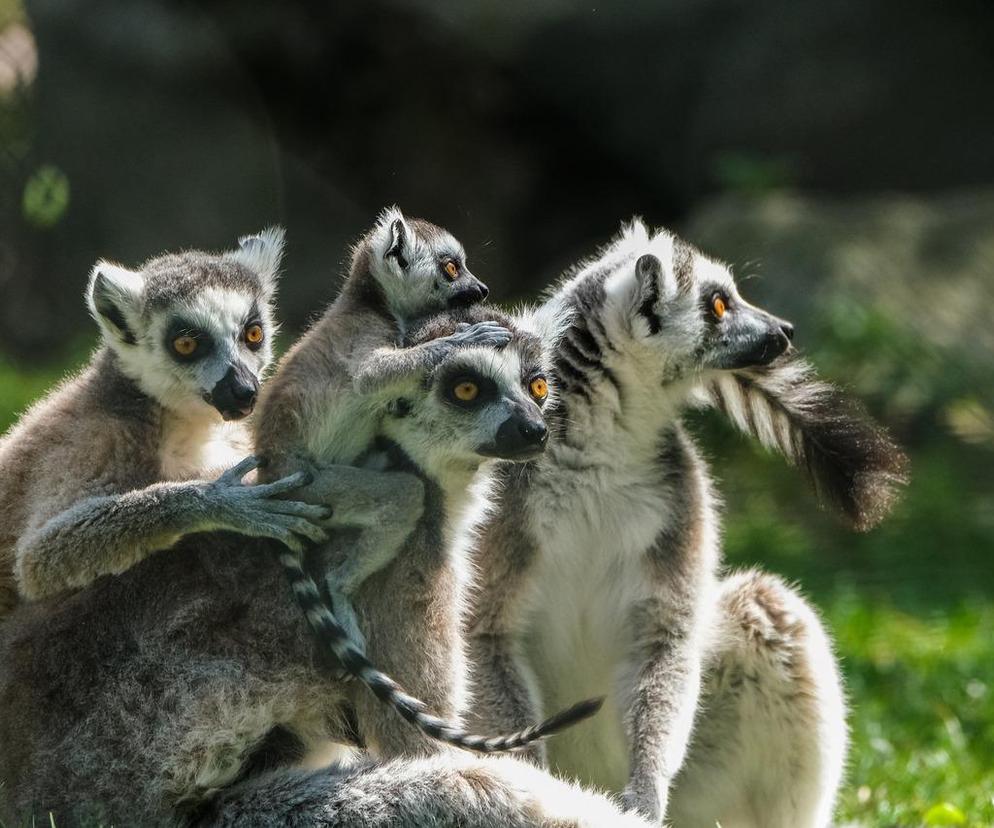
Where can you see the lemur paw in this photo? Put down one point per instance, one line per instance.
(260, 511)
(489, 334)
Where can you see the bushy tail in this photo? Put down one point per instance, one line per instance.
(415, 711)
(852, 462)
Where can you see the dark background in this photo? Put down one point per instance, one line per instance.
(838, 153)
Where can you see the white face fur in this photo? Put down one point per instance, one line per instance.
(420, 267)
(193, 330)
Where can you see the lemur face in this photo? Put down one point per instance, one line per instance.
(479, 403)
(193, 329)
(686, 308)
(421, 267)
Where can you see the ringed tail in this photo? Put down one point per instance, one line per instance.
(415, 711)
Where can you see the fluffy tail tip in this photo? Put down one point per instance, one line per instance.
(571, 715)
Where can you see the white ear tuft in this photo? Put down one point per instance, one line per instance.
(393, 239)
(114, 295)
(262, 253)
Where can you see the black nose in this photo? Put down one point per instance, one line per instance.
(235, 393)
(787, 330)
(471, 293)
(519, 437)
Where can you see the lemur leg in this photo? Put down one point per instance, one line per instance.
(387, 366)
(455, 790)
(108, 534)
(770, 743)
(663, 693)
(504, 694)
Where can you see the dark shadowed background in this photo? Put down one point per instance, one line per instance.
(839, 153)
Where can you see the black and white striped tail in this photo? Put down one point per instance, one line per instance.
(415, 711)
(852, 462)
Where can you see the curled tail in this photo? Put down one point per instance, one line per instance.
(415, 711)
(851, 462)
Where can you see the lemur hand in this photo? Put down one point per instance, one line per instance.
(489, 334)
(260, 511)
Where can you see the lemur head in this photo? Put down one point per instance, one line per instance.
(682, 309)
(420, 268)
(193, 329)
(658, 324)
(479, 403)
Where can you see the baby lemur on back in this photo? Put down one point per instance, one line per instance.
(321, 412)
(325, 403)
(599, 565)
(82, 474)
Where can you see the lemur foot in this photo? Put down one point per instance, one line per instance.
(488, 334)
(260, 511)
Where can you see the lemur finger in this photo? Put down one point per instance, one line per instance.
(234, 475)
(284, 484)
(296, 507)
(304, 527)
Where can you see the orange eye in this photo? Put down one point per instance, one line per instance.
(466, 391)
(254, 334)
(718, 306)
(451, 269)
(185, 345)
(539, 388)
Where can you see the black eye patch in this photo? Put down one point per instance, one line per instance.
(467, 389)
(179, 328)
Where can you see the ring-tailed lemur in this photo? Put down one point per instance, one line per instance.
(135, 703)
(599, 564)
(109, 467)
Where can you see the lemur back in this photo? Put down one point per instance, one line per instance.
(103, 471)
(599, 566)
(331, 396)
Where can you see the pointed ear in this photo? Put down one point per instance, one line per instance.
(851, 462)
(114, 296)
(394, 238)
(648, 273)
(262, 253)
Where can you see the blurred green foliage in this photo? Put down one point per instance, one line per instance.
(46, 196)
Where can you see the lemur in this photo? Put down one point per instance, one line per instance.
(599, 563)
(322, 410)
(114, 463)
(127, 702)
(323, 407)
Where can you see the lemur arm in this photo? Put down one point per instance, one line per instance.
(666, 690)
(389, 365)
(107, 534)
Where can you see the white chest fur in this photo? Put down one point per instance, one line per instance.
(596, 523)
(200, 448)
